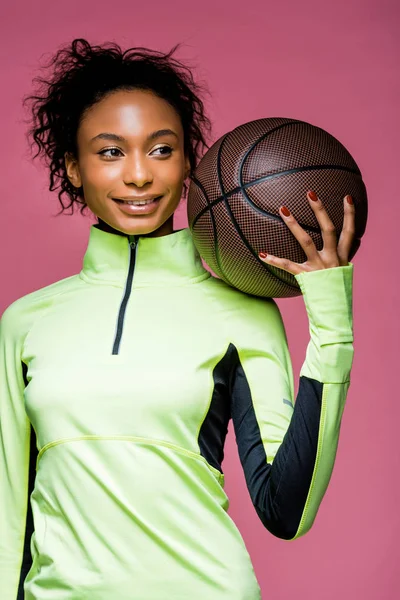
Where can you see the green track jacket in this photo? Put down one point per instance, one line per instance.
(117, 386)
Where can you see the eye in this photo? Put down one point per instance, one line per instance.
(167, 148)
(103, 152)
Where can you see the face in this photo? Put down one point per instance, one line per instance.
(131, 147)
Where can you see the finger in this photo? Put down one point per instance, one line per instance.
(328, 230)
(348, 231)
(281, 263)
(302, 236)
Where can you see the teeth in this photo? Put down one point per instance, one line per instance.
(139, 202)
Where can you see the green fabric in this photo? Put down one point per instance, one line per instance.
(124, 504)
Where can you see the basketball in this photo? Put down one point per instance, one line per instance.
(241, 181)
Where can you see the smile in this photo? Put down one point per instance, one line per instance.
(138, 202)
(138, 207)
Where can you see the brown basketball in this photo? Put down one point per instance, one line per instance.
(243, 179)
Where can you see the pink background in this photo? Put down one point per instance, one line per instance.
(335, 65)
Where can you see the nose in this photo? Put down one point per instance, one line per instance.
(137, 170)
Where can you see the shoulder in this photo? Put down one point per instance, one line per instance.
(246, 316)
(17, 318)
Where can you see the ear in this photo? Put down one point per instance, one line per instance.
(72, 168)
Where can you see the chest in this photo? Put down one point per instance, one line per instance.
(161, 381)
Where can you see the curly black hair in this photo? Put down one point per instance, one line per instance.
(83, 74)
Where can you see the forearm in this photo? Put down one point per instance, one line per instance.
(288, 451)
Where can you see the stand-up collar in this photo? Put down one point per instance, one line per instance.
(167, 260)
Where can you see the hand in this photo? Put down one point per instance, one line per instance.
(332, 254)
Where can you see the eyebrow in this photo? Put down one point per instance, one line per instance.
(119, 138)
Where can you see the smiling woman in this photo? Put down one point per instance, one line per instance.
(118, 383)
(133, 133)
(135, 185)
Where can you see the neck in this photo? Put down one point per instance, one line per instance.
(164, 260)
(165, 229)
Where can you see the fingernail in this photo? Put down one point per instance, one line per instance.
(349, 199)
(285, 211)
(312, 196)
(262, 255)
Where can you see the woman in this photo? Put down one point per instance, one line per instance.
(117, 384)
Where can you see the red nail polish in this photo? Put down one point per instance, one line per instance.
(285, 211)
(312, 196)
(262, 255)
(349, 199)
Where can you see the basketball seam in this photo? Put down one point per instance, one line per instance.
(200, 185)
(289, 124)
(238, 229)
(211, 212)
(242, 186)
(260, 180)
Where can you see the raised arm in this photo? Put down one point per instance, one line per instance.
(288, 454)
(287, 478)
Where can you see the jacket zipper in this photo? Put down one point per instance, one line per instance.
(133, 242)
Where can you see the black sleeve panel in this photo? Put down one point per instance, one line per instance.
(278, 490)
(27, 557)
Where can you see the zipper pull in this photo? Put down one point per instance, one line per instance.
(132, 241)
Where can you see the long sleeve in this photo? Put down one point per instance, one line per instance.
(288, 449)
(15, 438)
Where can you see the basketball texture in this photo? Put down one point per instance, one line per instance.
(242, 180)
